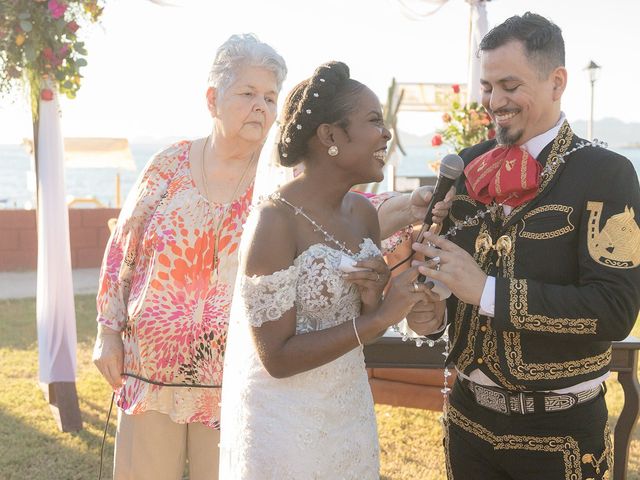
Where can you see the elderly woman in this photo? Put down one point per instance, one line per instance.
(170, 266)
(169, 270)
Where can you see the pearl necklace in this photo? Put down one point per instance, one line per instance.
(317, 227)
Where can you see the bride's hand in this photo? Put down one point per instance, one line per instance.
(403, 294)
(370, 282)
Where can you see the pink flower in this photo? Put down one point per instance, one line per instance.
(46, 94)
(56, 8)
(436, 140)
(63, 51)
(456, 88)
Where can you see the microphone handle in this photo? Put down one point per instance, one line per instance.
(440, 191)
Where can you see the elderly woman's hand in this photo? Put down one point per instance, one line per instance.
(108, 355)
(420, 199)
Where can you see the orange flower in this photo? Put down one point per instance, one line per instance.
(446, 118)
(20, 38)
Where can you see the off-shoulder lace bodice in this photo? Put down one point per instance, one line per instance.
(313, 284)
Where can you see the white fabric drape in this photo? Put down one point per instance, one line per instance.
(479, 28)
(55, 310)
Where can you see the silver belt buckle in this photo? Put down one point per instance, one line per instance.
(491, 399)
(557, 403)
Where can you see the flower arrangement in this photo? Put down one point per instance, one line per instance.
(465, 124)
(39, 40)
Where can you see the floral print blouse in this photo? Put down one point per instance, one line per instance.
(160, 287)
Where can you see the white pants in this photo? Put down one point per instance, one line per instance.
(150, 446)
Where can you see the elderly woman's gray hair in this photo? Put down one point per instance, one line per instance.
(244, 50)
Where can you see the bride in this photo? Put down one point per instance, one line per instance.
(296, 402)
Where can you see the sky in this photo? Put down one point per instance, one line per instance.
(148, 64)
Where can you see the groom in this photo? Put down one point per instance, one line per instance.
(544, 272)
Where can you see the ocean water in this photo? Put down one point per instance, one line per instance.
(100, 183)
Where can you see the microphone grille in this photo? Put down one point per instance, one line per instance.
(451, 166)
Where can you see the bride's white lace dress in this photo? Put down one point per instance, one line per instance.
(318, 424)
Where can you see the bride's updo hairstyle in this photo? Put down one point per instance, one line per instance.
(329, 96)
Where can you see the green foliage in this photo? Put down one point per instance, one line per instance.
(39, 40)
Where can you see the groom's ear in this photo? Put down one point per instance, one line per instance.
(325, 134)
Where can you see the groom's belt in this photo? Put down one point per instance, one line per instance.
(524, 403)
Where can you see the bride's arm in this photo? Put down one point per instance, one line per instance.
(272, 248)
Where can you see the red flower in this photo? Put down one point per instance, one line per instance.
(46, 94)
(72, 26)
(491, 134)
(456, 88)
(47, 53)
(436, 140)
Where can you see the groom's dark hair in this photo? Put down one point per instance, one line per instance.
(542, 40)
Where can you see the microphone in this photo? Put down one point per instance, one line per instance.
(451, 168)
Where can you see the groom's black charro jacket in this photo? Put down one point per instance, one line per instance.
(570, 282)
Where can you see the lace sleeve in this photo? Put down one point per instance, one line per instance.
(268, 297)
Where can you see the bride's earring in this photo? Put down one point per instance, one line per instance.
(333, 151)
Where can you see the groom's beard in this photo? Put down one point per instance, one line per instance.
(506, 137)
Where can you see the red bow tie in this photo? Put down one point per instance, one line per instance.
(508, 175)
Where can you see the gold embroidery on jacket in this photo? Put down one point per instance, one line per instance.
(561, 144)
(548, 371)
(522, 319)
(468, 354)
(492, 361)
(469, 200)
(617, 245)
(566, 446)
(523, 170)
(466, 357)
(552, 234)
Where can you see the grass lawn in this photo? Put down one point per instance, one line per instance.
(31, 447)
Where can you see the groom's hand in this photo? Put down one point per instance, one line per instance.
(454, 267)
